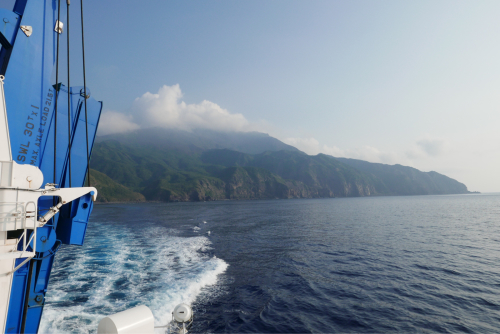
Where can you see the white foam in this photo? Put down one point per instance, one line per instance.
(149, 266)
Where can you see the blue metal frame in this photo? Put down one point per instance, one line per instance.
(30, 97)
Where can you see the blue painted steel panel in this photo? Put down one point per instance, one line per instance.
(78, 138)
(27, 82)
(72, 222)
(78, 156)
(9, 24)
(74, 219)
(10, 28)
(33, 312)
(27, 88)
(30, 106)
(16, 304)
(47, 147)
(19, 6)
(45, 239)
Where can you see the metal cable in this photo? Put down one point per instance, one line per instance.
(26, 299)
(69, 100)
(51, 252)
(85, 97)
(57, 90)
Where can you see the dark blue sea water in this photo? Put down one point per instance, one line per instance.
(364, 265)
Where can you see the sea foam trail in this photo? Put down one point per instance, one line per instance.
(119, 268)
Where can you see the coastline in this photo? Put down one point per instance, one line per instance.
(291, 198)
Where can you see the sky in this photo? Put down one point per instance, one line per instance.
(415, 83)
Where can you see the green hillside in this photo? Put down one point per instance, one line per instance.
(138, 166)
(111, 191)
(403, 180)
(319, 176)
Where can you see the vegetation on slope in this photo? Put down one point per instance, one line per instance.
(195, 171)
(111, 191)
(403, 180)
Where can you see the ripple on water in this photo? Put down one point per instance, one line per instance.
(367, 265)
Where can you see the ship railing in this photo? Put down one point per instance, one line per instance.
(19, 216)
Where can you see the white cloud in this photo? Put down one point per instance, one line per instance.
(115, 122)
(433, 146)
(308, 145)
(312, 146)
(166, 109)
(373, 154)
(427, 147)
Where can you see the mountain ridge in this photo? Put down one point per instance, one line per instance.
(177, 165)
(198, 140)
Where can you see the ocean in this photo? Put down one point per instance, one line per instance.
(341, 265)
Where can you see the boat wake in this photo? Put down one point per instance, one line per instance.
(118, 269)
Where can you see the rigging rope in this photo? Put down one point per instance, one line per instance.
(57, 91)
(85, 98)
(69, 100)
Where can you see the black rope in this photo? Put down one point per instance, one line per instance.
(50, 251)
(26, 299)
(69, 100)
(57, 90)
(85, 98)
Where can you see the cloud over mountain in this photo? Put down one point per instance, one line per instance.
(427, 147)
(312, 146)
(115, 122)
(166, 109)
